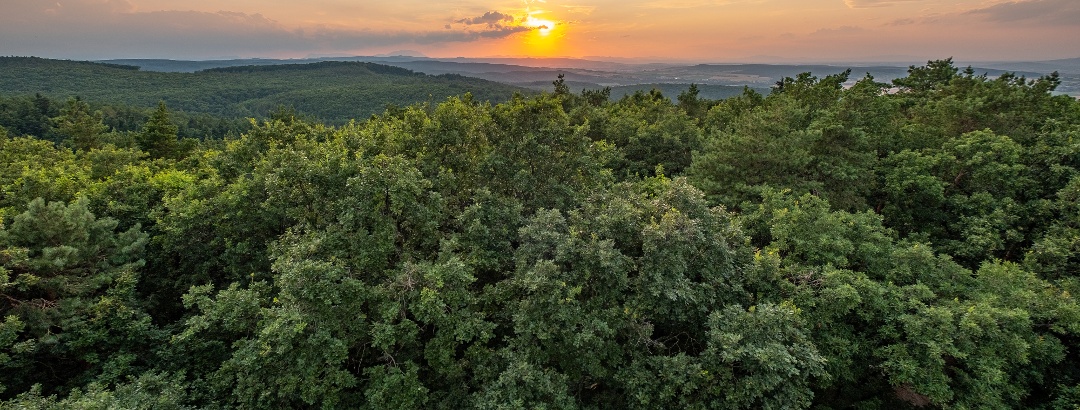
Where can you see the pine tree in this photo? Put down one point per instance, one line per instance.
(79, 126)
(159, 135)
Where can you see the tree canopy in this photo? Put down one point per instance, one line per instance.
(833, 244)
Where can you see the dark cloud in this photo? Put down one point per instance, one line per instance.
(505, 31)
(492, 19)
(345, 40)
(92, 29)
(85, 29)
(1039, 12)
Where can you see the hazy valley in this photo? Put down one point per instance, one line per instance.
(719, 80)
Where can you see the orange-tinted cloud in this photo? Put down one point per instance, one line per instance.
(112, 28)
(491, 18)
(1038, 12)
(857, 4)
(700, 30)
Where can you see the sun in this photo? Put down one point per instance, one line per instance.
(545, 35)
(544, 27)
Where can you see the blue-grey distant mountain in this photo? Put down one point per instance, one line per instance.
(537, 73)
(1065, 66)
(403, 53)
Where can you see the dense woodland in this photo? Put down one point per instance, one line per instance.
(914, 244)
(333, 92)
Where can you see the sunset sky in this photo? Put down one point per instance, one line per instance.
(690, 30)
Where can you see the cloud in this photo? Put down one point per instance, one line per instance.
(901, 22)
(1038, 12)
(92, 29)
(862, 4)
(491, 18)
(498, 25)
(114, 6)
(579, 9)
(503, 31)
(689, 4)
(338, 39)
(839, 31)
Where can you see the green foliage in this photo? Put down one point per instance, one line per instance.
(1054, 255)
(28, 115)
(766, 145)
(921, 80)
(890, 248)
(812, 93)
(158, 136)
(542, 158)
(79, 126)
(334, 92)
(69, 278)
(965, 195)
(150, 391)
(766, 357)
(32, 168)
(650, 131)
(977, 333)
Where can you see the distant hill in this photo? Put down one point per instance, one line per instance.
(1064, 66)
(669, 90)
(457, 65)
(537, 73)
(1068, 69)
(403, 53)
(712, 92)
(331, 91)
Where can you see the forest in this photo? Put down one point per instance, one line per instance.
(828, 244)
(331, 92)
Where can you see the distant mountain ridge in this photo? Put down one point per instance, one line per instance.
(1064, 66)
(537, 73)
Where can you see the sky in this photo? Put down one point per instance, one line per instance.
(657, 30)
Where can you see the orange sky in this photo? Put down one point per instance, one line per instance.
(697, 30)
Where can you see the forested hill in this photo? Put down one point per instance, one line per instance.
(333, 92)
(903, 245)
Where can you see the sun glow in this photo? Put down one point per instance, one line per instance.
(544, 37)
(543, 27)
